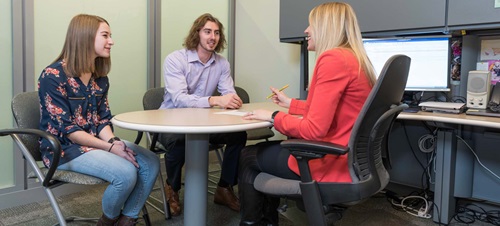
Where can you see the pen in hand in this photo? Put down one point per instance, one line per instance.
(282, 88)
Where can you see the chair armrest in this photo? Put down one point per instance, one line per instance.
(305, 150)
(54, 143)
(138, 138)
(318, 147)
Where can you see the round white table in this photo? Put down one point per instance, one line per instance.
(197, 124)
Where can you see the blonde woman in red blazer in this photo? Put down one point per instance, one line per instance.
(342, 79)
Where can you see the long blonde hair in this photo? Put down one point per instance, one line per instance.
(79, 52)
(334, 25)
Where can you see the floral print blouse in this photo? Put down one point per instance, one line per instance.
(67, 105)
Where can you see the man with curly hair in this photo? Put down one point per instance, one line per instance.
(192, 75)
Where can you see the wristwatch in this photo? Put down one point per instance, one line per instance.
(274, 115)
(113, 139)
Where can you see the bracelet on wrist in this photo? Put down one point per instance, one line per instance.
(109, 150)
(274, 115)
(113, 139)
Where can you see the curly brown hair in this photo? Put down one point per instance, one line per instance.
(193, 38)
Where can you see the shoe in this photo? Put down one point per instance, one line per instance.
(126, 221)
(173, 200)
(225, 196)
(105, 221)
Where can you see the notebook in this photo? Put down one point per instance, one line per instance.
(446, 107)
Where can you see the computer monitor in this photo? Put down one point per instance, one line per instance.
(429, 69)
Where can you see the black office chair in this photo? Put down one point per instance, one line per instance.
(152, 100)
(26, 111)
(366, 146)
(254, 134)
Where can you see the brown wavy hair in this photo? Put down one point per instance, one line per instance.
(79, 52)
(193, 38)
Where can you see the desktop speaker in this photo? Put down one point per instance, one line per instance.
(478, 89)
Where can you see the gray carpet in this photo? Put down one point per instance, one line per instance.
(375, 211)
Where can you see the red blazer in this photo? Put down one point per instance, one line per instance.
(337, 93)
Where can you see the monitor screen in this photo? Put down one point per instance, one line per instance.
(429, 69)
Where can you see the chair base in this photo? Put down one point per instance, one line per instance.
(77, 218)
(299, 217)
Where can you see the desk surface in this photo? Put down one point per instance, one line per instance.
(462, 119)
(193, 120)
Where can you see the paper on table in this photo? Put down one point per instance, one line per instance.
(233, 112)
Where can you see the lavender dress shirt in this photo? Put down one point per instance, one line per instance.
(189, 82)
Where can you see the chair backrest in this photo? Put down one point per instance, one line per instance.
(26, 111)
(153, 98)
(242, 94)
(368, 136)
(370, 129)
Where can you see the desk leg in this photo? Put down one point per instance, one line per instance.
(445, 176)
(195, 188)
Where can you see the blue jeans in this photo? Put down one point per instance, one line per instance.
(129, 186)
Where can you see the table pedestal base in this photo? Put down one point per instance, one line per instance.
(195, 203)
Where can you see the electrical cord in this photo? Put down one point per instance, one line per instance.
(423, 212)
(427, 173)
(415, 205)
(464, 214)
(427, 143)
(424, 168)
(411, 148)
(433, 163)
(469, 213)
(477, 158)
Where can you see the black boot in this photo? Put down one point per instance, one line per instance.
(251, 205)
(271, 215)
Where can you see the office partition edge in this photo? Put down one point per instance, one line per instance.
(23, 70)
(23, 80)
(23, 46)
(304, 70)
(231, 34)
(154, 66)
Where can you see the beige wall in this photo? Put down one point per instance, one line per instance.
(261, 60)
(7, 172)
